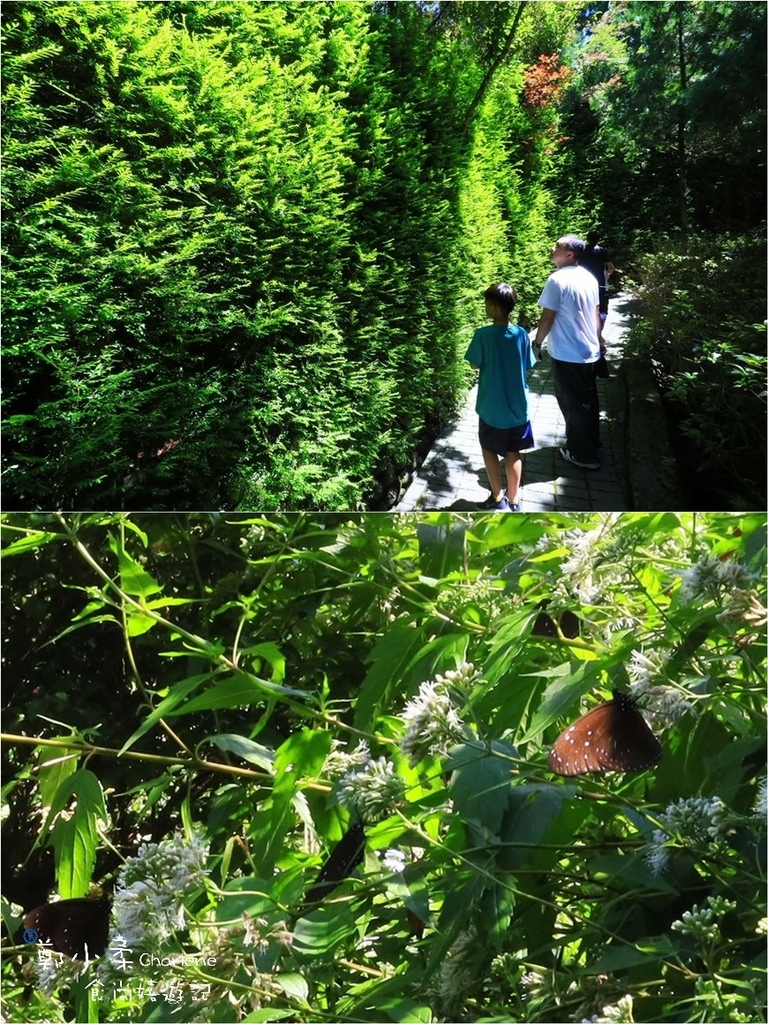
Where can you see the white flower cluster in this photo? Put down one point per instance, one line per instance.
(393, 860)
(578, 570)
(433, 723)
(761, 800)
(644, 670)
(664, 704)
(744, 608)
(371, 788)
(697, 819)
(702, 923)
(618, 1014)
(582, 546)
(709, 577)
(340, 761)
(147, 907)
(56, 971)
(536, 983)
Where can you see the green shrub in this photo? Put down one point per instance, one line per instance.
(245, 244)
(255, 682)
(700, 326)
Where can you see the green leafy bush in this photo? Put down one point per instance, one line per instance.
(701, 329)
(235, 693)
(242, 247)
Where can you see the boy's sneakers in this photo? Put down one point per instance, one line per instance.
(582, 465)
(499, 506)
(490, 501)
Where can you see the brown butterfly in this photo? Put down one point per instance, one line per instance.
(70, 927)
(613, 737)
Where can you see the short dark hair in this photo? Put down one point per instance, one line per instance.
(574, 243)
(593, 237)
(503, 295)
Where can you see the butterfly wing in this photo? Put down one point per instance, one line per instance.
(343, 860)
(575, 751)
(613, 737)
(627, 743)
(544, 624)
(570, 625)
(69, 926)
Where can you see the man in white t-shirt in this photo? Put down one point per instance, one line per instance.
(570, 317)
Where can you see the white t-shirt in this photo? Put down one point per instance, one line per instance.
(573, 294)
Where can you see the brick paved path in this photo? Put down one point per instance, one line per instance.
(453, 476)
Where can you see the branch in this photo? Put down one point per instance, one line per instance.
(502, 55)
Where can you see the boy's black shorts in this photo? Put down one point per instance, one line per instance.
(508, 439)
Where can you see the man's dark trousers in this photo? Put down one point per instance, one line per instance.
(576, 394)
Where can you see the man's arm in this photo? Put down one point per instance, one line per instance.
(546, 321)
(600, 337)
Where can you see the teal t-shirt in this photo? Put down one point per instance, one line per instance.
(504, 356)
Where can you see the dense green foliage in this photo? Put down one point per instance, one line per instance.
(243, 240)
(702, 327)
(666, 123)
(218, 677)
(245, 243)
(666, 117)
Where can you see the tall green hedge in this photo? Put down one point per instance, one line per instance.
(244, 242)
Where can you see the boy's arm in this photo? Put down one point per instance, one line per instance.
(474, 351)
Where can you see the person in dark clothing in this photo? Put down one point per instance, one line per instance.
(599, 263)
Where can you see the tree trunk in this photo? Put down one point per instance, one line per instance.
(682, 169)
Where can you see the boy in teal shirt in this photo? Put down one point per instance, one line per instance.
(503, 354)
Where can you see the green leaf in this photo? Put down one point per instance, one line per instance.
(134, 579)
(534, 810)
(562, 695)
(320, 934)
(271, 653)
(250, 751)
(441, 547)
(167, 706)
(56, 766)
(75, 839)
(621, 958)
(269, 1013)
(31, 542)
(300, 757)
(388, 661)
(480, 782)
(241, 690)
(295, 987)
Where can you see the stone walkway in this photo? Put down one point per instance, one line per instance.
(453, 477)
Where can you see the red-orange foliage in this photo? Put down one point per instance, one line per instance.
(545, 81)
